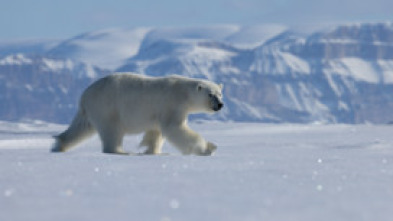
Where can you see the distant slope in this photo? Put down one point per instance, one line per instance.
(39, 46)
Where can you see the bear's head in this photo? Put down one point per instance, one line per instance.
(207, 97)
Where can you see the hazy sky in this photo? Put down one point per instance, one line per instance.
(66, 18)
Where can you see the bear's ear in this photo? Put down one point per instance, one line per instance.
(199, 87)
(221, 86)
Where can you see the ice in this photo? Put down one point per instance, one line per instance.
(202, 59)
(53, 65)
(260, 172)
(276, 62)
(360, 69)
(17, 59)
(386, 67)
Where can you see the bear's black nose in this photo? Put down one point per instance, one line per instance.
(220, 105)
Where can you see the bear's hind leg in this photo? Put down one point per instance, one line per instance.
(112, 141)
(153, 140)
(79, 129)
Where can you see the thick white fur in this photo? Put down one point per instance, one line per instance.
(126, 103)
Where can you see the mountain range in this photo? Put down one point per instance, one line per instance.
(343, 74)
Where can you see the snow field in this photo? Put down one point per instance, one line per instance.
(260, 172)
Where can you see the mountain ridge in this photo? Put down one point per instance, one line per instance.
(340, 75)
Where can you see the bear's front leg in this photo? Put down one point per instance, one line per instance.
(153, 140)
(211, 148)
(188, 141)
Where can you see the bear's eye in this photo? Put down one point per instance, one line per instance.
(210, 95)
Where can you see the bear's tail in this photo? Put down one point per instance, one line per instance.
(79, 130)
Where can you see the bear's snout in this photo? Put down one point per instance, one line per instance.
(218, 107)
(216, 104)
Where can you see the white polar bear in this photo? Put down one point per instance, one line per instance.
(126, 103)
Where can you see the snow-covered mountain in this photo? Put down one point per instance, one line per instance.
(339, 75)
(270, 73)
(35, 87)
(105, 48)
(110, 48)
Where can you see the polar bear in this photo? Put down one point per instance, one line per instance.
(127, 103)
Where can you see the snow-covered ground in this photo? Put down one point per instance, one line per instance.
(260, 172)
